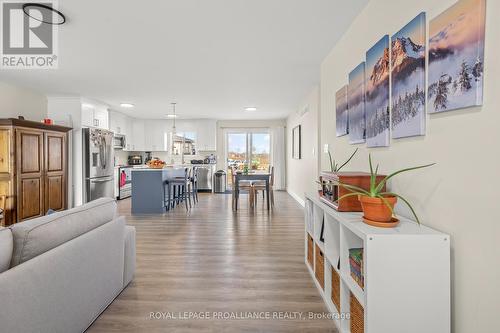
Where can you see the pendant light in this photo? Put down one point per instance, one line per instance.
(174, 134)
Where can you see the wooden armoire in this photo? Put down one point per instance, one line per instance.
(33, 168)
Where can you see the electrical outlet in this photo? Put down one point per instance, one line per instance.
(326, 147)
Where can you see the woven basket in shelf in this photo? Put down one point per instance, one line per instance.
(310, 251)
(319, 270)
(357, 316)
(335, 289)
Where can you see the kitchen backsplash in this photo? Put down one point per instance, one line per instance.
(121, 157)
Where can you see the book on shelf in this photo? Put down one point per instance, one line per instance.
(356, 265)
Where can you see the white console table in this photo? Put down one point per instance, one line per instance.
(406, 271)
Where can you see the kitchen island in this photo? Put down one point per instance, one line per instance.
(148, 188)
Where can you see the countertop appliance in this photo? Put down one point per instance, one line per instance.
(135, 160)
(124, 182)
(205, 176)
(119, 141)
(98, 166)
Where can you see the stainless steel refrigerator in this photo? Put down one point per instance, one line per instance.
(98, 164)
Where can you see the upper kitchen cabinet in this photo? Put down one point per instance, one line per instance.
(95, 115)
(137, 141)
(207, 135)
(119, 123)
(157, 135)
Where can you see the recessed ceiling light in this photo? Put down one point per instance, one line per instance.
(127, 105)
(250, 108)
(171, 116)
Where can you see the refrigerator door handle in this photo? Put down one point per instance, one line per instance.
(101, 180)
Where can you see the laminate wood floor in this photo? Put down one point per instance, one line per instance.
(212, 260)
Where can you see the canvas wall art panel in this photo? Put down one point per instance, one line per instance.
(408, 79)
(356, 102)
(342, 118)
(456, 57)
(377, 94)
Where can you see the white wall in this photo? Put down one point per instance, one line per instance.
(460, 194)
(17, 101)
(297, 183)
(68, 111)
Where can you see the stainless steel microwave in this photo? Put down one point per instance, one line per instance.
(119, 141)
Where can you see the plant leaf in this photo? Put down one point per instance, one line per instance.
(354, 188)
(331, 163)
(380, 196)
(350, 158)
(383, 181)
(406, 202)
(349, 195)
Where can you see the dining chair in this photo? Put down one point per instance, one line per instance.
(243, 185)
(260, 185)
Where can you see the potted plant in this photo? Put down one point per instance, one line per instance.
(377, 204)
(334, 167)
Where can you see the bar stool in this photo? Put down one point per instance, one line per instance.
(177, 189)
(194, 184)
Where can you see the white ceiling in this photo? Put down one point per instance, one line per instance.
(213, 57)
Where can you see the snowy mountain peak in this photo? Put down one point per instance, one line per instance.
(380, 69)
(404, 48)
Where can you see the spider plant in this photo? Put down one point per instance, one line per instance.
(376, 188)
(334, 166)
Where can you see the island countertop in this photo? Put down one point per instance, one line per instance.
(148, 188)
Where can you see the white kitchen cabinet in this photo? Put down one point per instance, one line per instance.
(206, 135)
(138, 135)
(156, 135)
(95, 116)
(117, 122)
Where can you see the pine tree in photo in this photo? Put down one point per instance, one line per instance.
(477, 70)
(441, 100)
(464, 77)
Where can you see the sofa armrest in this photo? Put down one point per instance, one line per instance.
(129, 264)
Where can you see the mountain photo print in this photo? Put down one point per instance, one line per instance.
(356, 102)
(377, 94)
(408, 79)
(456, 57)
(341, 118)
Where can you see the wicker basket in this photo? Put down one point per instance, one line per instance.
(319, 270)
(357, 316)
(310, 251)
(335, 289)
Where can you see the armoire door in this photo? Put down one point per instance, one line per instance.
(29, 166)
(55, 171)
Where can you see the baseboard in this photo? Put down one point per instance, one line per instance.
(297, 198)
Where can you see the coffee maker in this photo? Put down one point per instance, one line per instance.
(135, 160)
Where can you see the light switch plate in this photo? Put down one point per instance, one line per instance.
(326, 147)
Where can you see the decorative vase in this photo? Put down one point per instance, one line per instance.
(376, 212)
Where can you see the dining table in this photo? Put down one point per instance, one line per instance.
(253, 177)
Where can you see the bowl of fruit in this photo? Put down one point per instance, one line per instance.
(156, 164)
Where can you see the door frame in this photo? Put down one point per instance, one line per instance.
(248, 131)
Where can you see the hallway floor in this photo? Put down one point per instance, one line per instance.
(243, 265)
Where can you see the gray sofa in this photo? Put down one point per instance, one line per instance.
(59, 272)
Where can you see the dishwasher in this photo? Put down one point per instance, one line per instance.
(205, 176)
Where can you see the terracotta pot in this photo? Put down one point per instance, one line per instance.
(375, 209)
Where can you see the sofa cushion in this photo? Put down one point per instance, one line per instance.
(6, 246)
(34, 237)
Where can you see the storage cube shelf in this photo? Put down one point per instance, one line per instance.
(406, 272)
